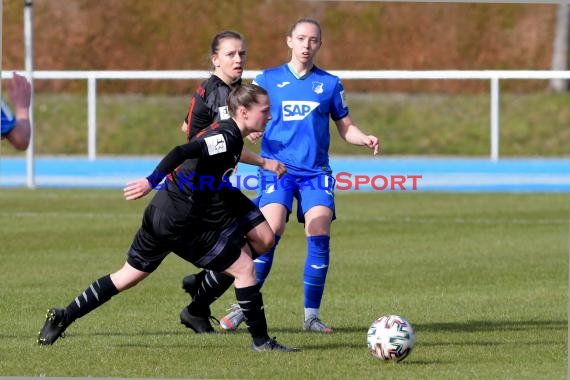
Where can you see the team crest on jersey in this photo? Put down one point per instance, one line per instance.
(318, 87)
(224, 113)
(343, 99)
(216, 144)
(297, 110)
(269, 189)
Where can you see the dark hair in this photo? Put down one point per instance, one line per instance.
(302, 21)
(244, 95)
(215, 45)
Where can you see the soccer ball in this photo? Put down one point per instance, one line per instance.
(391, 337)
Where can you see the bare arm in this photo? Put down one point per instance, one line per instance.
(248, 157)
(353, 135)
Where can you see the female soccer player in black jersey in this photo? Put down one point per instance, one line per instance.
(209, 104)
(199, 216)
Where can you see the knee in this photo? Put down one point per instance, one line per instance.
(266, 243)
(262, 239)
(318, 224)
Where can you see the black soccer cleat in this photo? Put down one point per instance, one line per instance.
(53, 328)
(200, 325)
(272, 345)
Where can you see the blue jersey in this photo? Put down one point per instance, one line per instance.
(8, 119)
(298, 133)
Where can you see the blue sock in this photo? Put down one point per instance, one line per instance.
(316, 269)
(264, 262)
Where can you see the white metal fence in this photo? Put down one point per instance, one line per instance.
(494, 77)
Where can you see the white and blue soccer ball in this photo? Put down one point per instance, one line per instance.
(391, 337)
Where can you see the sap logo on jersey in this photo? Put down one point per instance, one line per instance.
(297, 110)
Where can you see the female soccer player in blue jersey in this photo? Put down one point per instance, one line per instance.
(303, 98)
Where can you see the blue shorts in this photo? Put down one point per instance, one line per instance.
(310, 191)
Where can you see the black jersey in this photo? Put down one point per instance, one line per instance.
(198, 186)
(208, 104)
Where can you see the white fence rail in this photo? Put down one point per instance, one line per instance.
(494, 76)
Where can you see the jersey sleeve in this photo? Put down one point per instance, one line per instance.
(339, 107)
(8, 119)
(197, 148)
(260, 80)
(173, 159)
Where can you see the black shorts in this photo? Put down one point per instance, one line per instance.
(199, 243)
(247, 212)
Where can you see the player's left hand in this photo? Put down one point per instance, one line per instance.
(373, 143)
(274, 166)
(136, 189)
(184, 127)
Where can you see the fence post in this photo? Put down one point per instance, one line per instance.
(495, 118)
(91, 118)
(29, 63)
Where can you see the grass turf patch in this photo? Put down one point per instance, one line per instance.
(483, 278)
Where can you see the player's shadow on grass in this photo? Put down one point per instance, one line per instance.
(327, 341)
(460, 327)
(474, 326)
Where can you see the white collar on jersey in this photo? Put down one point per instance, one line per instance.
(296, 74)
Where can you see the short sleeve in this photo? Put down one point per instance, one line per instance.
(339, 106)
(260, 80)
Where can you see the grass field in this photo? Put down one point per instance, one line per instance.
(483, 278)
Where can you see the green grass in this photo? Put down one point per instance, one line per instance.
(534, 124)
(483, 278)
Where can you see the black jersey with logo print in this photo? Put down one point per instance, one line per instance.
(198, 186)
(208, 105)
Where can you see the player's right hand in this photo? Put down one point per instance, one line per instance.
(136, 189)
(253, 137)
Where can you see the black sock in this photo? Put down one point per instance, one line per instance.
(251, 303)
(213, 285)
(94, 296)
(200, 276)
